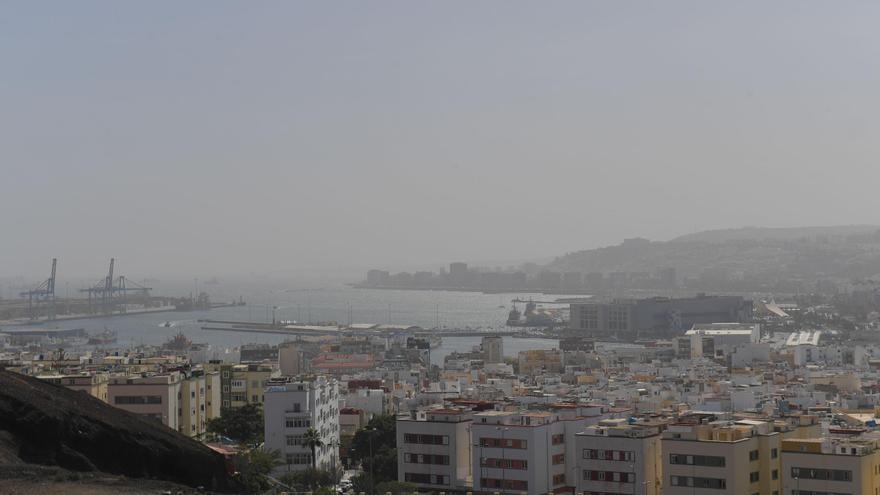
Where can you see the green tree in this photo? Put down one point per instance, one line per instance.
(381, 430)
(312, 440)
(396, 487)
(243, 424)
(254, 467)
(374, 447)
(309, 479)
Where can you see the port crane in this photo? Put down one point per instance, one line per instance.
(45, 292)
(113, 290)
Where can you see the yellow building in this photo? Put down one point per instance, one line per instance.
(94, 384)
(818, 466)
(241, 384)
(703, 452)
(540, 361)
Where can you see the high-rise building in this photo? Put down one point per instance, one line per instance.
(458, 274)
(291, 360)
(493, 349)
(378, 277)
(573, 281)
(292, 407)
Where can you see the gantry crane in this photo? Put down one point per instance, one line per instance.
(45, 292)
(111, 291)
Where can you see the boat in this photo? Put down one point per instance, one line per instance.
(178, 343)
(167, 324)
(106, 337)
(513, 318)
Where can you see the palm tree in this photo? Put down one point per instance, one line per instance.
(312, 440)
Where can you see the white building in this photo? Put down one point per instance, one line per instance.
(434, 449)
(291, 407)
(371, 401)
(719, 339)
(615, 457)
(526, 452)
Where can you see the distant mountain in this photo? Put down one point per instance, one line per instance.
(770, 233)
(753, 257)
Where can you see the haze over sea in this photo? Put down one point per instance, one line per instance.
(310, 301)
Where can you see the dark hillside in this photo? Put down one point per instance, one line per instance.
(43, 423)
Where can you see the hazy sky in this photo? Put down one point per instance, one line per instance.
(197, 138)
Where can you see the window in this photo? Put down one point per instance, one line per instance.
(492, 462)
(753, 455)
(774, 453)
(754, 476)
(697, 482)
(426, 439)
(618, 318)
(299, 458)
(609, 455)
(293, 440)
(559, 479)
(507, 443)
(620, 477)
(559, 459)
(558, 439)
(821, 474)
(426, 479)
(137, 399)
(589, 317)
(519, 485)
(775, 474)
(441, 460)
(697, 460)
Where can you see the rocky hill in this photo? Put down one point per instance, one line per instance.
(758, 254)
(43, 423)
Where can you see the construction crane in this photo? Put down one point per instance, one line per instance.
(45, 292)
(112, 290)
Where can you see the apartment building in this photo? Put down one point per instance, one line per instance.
(434, 449)
(199, 402)
(704, 451)
(156, 397)
(94, 384)
(538, 361)
(292, 406)
(241, 384)
(615, 457)
(527, 452)
(819, 466)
